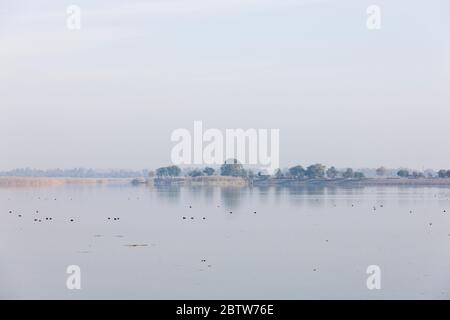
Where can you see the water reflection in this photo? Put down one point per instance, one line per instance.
(311, 195)
(315, 196)
(168, 193)
(232, 197)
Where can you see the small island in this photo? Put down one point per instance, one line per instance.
(231, 173)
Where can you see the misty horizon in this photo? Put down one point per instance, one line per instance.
(347, 96)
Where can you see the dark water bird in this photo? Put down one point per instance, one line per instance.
(19, 215)
(204, 218)
(190, 207)
(314, 269)
(192, 218)
(254, 212)
(445, 211)
(135, 245)
(71, 220)
(184, 218)
(50, 218)
(410, 211)
(40, 220)
(10, 211)
(203, 260)
(46, 218)
(37, 211)
(231, 212)
(109, 218)
(430, 224)
(35, 219)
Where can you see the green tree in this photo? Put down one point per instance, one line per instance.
(359, 175)
(297, 172)
(195, 173)
(381, 171)
(332, 173)
(348, 174)
(315, 171)
(209, 171)
(233, 169)
(172, 171)
(403, 173)
(442, 173)
(162, 172)
(417, 174)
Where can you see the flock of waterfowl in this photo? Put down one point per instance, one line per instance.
(184, 217)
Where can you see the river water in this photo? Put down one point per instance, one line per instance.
(225, 243)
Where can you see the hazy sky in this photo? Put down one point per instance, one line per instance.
(110, 94)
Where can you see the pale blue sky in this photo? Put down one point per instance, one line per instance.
(110, 94)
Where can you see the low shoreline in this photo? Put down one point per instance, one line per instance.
(364, 182)
(11, 181)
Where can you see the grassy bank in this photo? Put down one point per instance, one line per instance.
(222, 181)
(47, 182)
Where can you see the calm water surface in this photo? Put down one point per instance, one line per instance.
(300, 243)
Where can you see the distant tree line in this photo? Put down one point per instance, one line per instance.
(404, 173)
(74, 173)
(171, 171)
(319, 171)
(234, 169)
(444, 173)
(230, 168)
